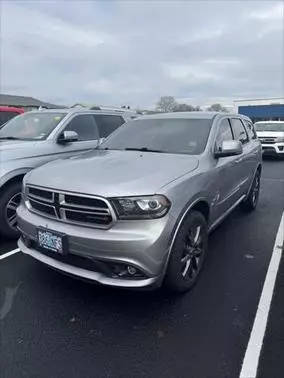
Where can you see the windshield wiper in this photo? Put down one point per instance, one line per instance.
(143, 149)
(11, 138)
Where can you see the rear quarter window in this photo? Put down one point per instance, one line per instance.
(239, 130)
(250, 129)
(6, 116)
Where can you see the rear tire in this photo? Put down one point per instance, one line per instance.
(9, 200)
(250, 203)
(188, 254)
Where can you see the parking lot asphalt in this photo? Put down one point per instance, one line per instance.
(56, 326)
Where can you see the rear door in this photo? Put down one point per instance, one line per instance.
(254, 151)
(228, 173)
(245, 163)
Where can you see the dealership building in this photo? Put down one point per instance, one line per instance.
(265, 109)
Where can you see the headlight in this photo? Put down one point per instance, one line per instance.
(148, 207)
(280, 140)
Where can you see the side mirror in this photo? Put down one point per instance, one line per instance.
(229, 148)
(68, 136)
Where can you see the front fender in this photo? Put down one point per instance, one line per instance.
(12, 174)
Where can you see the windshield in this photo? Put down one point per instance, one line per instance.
(266, 126)
(179, 136)
(31, 126)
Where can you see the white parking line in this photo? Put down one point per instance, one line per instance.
(251, 359)
(9, 253)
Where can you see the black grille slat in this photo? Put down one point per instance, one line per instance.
(84, 217)
(43, 208)
(44, 194)
(84, 201)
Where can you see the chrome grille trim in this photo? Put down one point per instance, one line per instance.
(61, 207)
(268, 140)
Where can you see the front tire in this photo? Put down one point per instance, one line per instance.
(9, 201)
(188, 254)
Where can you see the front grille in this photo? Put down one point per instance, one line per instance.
(74, 260)
(267, 140)
(70, 208)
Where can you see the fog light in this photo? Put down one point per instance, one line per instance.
(125, 271)
(131, 270)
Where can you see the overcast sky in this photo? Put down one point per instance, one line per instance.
(133, 52)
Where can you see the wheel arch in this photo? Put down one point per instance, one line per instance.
(13, 177)
(201, 205)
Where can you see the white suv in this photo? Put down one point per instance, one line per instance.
(271, 135)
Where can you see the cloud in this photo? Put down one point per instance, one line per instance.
(273, 13)
(134, 52)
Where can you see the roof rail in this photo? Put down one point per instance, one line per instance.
(95, 108)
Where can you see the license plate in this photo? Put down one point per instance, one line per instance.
(52, 241)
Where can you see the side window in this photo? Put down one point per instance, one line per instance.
(239, 130)
(107, 124)
(224, 133)
(85, 126)
(250, 129)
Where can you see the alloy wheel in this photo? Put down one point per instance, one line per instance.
(192, 253)
(11, 209)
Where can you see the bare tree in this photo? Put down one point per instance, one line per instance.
(166, 104)
(186, 108)
(217, 108)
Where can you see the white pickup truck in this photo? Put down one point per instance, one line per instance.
(271, 135)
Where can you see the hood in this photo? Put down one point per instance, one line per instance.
(14, 149)
(270, 134)
(113, 173)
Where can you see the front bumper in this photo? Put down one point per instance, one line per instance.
(274, 149)
(141, 244)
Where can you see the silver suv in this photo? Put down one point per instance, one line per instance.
(136, 212)
(35, 138)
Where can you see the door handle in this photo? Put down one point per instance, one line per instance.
(238, 161)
